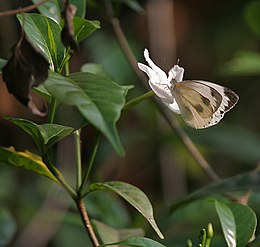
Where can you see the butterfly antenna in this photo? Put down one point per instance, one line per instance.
(178, 61)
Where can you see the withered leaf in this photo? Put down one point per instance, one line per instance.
(26, 68)
(67, 33)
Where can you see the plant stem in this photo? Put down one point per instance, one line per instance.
(52, 109)
(90, 164)
(78, 159)
(67, 68)
(139, 99)
(21, 10)
(86, 221)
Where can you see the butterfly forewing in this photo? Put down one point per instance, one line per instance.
(196, 110)
(202, 103)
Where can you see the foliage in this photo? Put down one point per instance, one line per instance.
(92, 101)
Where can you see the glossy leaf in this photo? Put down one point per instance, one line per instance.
(246, 221)
(44, 135)
(255, 243)
(93, 68)
(25, 160)
(83, 28)
(228, 223)
(7, 227)
(90, 94)
(138, 242)
(45, 34)
(69, 116)
(132, 195)
(109, 234)
(241, 182)
(109, 208)
(41, 90)
(50, 9)
(64, 115)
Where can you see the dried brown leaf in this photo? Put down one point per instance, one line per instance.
(26, 68)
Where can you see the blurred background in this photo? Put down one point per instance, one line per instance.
(217, 41)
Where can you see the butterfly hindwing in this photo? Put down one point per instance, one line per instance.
(202, 103)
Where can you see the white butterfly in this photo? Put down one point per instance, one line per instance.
(201, 103)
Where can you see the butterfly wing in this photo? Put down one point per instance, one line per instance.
(203, 104)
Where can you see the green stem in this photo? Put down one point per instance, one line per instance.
(78, 159)
(67, 68)
(52, 109)
(139, 99)
(207, 244)
(89, 165)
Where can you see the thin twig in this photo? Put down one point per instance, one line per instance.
(168, 117)
(86, 221)
(78, 159)
(89, 165)
(22, 10)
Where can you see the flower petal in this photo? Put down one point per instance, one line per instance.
(162, 75)
(162, 91)
(176, 73)
(153, 77)
(173, 106)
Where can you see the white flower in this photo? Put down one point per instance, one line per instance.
(160, 83)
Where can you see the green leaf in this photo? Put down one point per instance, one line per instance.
(44, 135)
(252, 17)
(50, 9)
(81, 7)
(83, 28)
(45, 34)
(25, 160)
(244, 216)
(132, 195)
(108, 208)
(41, 90)
(245, 63)
(228, 223)
(90, 94)
(109, 234)
(69, 116)
(93, 68)
(241, 182)
(255, 243)
(7, 227)
(138, 242)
